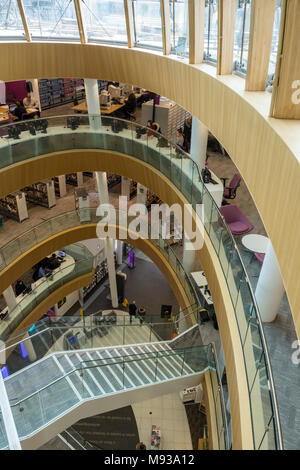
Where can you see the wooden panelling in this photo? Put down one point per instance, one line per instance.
(129, 22)
(97, 160)
(213, 442)
(196, 31)
(261, 32)
(226, 27)
(165, 26)
(286, 88)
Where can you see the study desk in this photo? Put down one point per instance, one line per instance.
(82, 108)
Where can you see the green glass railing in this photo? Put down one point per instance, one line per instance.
(36, 410)
(81, 263)
(84, 132)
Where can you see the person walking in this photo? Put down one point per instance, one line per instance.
(132, 310)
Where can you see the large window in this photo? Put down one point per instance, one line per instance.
(11, 26)
(211, 31)
(179, 19)
(147, 23)
(241, 36)
(275, 40)
(51, 19)
(104, 20)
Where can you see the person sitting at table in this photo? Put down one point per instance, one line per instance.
(53, 262)
(130, 104)
(20, 111)
(20, 287)
(30, 102)
(43, 271)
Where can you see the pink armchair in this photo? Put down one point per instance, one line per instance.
(236, 220)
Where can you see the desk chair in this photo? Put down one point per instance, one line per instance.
(230, 191)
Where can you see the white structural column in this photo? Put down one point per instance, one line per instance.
(270, 288)
(141, 194)
(101, 180)
(119, 251)
(29, 348)
(92, 100)
(10, 298)
(109, 248)
(93, 105)
(199, 139)
(125, 187)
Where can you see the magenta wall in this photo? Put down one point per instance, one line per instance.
(17, 88)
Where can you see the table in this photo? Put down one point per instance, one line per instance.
(256, 243)
(82, 108)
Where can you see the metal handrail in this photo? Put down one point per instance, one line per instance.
(151, 355)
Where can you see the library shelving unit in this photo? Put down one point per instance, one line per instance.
(133, 189)
(99, 276)
(60, 185)
(58, 91)
(113, 180)
(41, 193)
(75, 179)
(14, 206)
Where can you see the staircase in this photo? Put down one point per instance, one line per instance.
(57, 385)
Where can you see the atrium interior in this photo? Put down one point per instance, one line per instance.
(149, 225)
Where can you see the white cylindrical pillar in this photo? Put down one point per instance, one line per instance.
(270, 288)
(119, 251)
(199, 139)
(29, 348)
(101, 180)
(141, 194)
(10, 298)
(92, 101)
(189, 256)
(125, 187)
(109, 247)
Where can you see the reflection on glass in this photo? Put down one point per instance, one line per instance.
(147, 23)
(51, 19)
(11, 26)
(211, 31)
(104, 20)
(241, 36)
(275, 40)
(179, 22)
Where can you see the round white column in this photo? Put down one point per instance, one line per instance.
(119, 251)
(125, 187)
(29, 348)
(270, 288)
(141, 194)
(189, 256)
(92, 101)
(101, 180)
(10, 298)
(199, 139)
(109, 247)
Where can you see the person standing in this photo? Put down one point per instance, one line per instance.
(132, 310)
